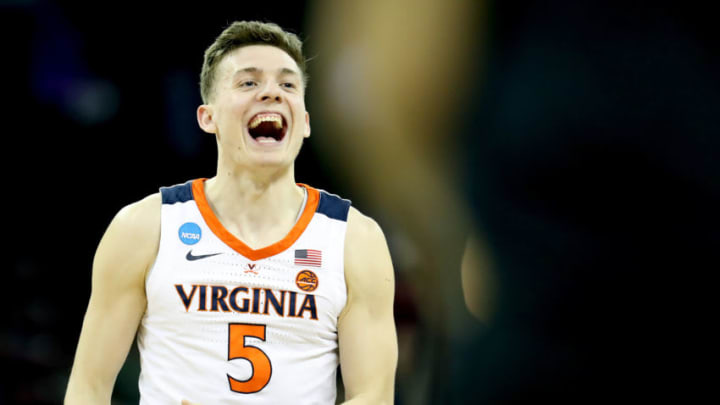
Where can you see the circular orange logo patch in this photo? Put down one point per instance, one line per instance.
(306, 280)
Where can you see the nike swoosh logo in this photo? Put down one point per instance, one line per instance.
(192, 257)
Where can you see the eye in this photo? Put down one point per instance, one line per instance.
(247, 83)
(288, 85)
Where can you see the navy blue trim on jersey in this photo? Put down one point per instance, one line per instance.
(333, 206)
(177, 194)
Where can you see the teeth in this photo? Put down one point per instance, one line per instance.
(274, 118)
(266, 140)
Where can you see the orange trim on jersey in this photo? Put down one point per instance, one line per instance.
(313, 199)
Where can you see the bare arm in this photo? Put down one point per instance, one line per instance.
(366, 329)
(117, 301)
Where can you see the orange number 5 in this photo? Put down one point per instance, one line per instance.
(237, 349)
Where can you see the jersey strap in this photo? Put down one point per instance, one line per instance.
(333, 206)
(179, 193)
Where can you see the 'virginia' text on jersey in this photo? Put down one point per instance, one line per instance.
(216, 298)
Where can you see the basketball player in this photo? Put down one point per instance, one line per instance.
(246, 287)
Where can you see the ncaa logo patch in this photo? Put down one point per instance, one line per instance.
(307, 281)
(190, 233)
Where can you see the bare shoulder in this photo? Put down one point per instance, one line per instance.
(143, 215)
(364, 238)
(133, 237)
(367, 258)
(138, 224)
(363, 229)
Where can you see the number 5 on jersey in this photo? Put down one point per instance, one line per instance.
(259, 361)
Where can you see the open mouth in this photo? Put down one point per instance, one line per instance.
(267, 127)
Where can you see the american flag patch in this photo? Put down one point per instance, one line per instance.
(308, 257)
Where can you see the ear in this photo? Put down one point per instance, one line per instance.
(205, 119)
(307, 125)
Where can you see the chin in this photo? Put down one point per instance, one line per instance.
(268, 162)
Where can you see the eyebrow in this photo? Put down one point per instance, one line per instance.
(252, 69)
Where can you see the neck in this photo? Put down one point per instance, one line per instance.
(258, 208)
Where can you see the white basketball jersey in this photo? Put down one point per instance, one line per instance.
(228, 324)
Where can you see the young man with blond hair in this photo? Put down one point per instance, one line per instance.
(247, 287)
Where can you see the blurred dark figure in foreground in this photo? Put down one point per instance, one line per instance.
(587, 136)
(595, 174)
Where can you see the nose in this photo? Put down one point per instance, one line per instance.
(270, 91)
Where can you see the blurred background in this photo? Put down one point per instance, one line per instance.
(546, 174)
